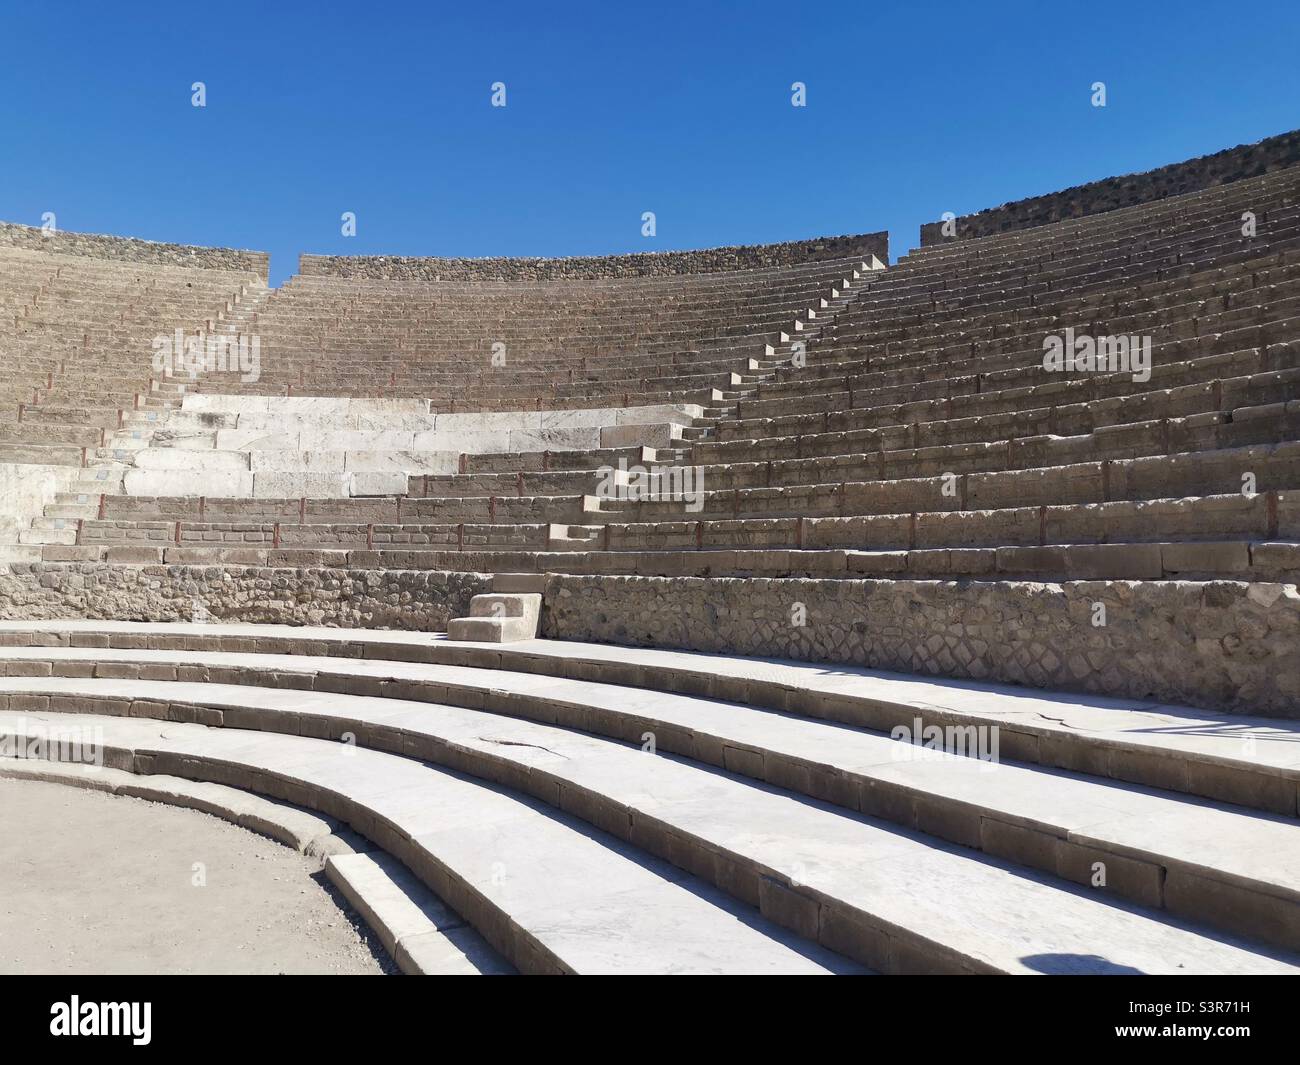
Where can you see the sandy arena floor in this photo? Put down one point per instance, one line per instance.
(96, 883)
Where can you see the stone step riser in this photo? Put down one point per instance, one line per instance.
(784, 902)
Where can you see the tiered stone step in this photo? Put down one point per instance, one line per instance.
(549, 896)
(420, 932)
(820, 867)
(78, 341)
(548, 330)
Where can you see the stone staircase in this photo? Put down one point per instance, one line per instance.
(105, 469)
(77, 356)
(759, 371)
(917, 655)
(588, 808)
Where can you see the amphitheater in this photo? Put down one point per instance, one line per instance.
(763, 609)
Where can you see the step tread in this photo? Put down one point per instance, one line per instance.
(1159, 727)
(990, 913)
(417, 929)
(591, 901)
(1230, 844)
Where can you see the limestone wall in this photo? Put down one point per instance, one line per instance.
(1222, 645)
(393, 599)
(129, 249)
(1126, 190)
(642, 264)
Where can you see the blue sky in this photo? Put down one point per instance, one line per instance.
(613, 109)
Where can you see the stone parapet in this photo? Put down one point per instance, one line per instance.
(131, 250)
(640, 264)
(1126, 190)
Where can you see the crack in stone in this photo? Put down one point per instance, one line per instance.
(517, 743)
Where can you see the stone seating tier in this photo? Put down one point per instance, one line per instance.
(1064, 564)
(921, 399)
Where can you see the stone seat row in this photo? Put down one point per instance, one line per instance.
(563, 363)
(663, 332)
(478, 299)
(1257, 469)
(915, 284)
(1194, 361)
(732, 812)
(1227, 413)
(1003, 362)
(1022, 302)
(1154, 217)
(314, 374)
(965, 402)
(1266, 561)
(1231, 517)
(955, 267)
(1022, 380)
(811, 437)
(1184, 389)
(301, 284)
(726, 301)
(285, 372)
(1123, 268)
(799, 460)
(1218, 288)
(1258, 195)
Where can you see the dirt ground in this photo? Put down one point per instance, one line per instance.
(97, 883)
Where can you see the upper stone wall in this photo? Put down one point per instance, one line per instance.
(1127, 190)
(129, 249)
(640, 264)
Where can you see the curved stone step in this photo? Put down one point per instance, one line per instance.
(1201, 860)
(886, 897)
(422, 935)
(1248, 761)
(419, 932)
(547, 892)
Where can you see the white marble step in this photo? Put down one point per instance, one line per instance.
(1203, 860)
(419, 932)
(1249, 761)
(546, 891)
(892, 899)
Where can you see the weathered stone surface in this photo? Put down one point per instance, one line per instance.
(1231, 164)
(24, 489)
(1223, 644)
(642, 264)
(129, 249)
(399, 599)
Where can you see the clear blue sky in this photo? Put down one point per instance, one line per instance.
(613, 109)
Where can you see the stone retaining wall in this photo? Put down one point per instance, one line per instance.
(1126, 190)
(129, 249)
(642, 264)
(387, 599)
(1222, 645)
